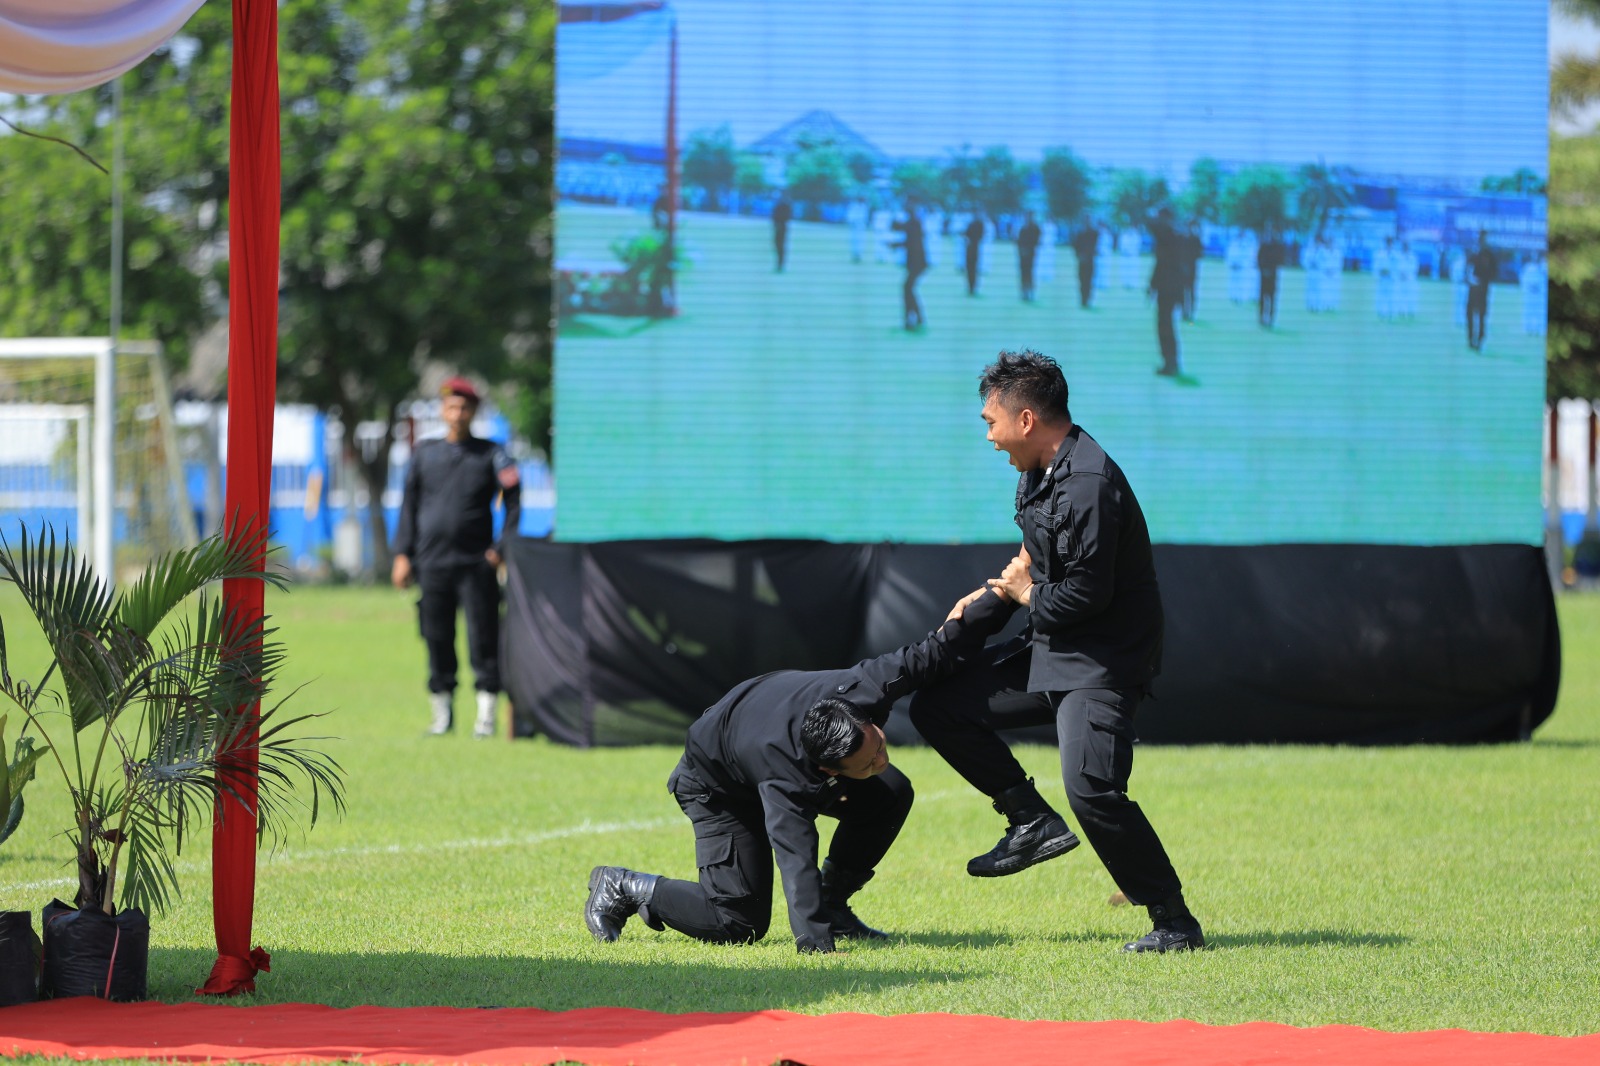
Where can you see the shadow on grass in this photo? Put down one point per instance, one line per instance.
(695, 980)
(1305, 939)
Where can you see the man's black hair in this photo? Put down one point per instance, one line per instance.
(1027, 379)
(833, 730)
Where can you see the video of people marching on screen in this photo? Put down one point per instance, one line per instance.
(1291, 258)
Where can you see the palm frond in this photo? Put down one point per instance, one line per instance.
(176, 576)
(74, 608)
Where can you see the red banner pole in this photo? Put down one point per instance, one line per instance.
(253, 210)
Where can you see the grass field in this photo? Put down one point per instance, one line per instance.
(1405, 888)
(1331, 427)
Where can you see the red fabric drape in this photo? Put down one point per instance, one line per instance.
(254, 166)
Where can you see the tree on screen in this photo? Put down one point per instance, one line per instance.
(922, 181)
(992, 183)
(1067, 182)
(818, 174)
(1135, 196)
(1202, 197)
(710, 163)
(1257, 196)
(1324, 192)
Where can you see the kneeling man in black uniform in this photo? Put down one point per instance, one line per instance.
(758, 769)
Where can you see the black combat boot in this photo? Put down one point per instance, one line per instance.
(1175, 929)
(615, 895)
(838, 885)
(1034, 833)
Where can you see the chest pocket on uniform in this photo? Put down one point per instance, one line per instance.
(1053, 537)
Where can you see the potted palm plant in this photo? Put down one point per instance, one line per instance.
(142, 709)
(19, 944)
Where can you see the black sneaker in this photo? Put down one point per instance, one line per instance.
(844, 925)
(1025, 845)
(1163, 939)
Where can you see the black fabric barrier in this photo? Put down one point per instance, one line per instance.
(626, 642)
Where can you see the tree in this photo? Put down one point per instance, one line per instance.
(1135, 196)
(817, 174)
(1323, 191)
(992, 183)
(1066, 183)
(920, 180)
(416, 194)
(750, 175)
(55, 247)
(1575, 79)
(1524, 181)
(709, 163)
(1256, 197)
(1574, 344)
(1202, 197)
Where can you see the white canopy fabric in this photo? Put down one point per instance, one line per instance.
(61, 46)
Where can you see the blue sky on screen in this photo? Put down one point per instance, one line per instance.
(1439, 88)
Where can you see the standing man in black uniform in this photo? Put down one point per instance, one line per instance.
(1086, 245)
(1087, 576)
(758, 769)
(916, 265)
(782, 214)
(1166, 285)
(1482, 267)
(1269, 260)
(1027, 250)
(974, 235)
(445, 543)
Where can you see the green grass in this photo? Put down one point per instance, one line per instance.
(1404, 888)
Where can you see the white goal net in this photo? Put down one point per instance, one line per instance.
(89, 448)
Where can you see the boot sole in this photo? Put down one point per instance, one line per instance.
(1043, 853)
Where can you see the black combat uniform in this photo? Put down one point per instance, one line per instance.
(446, 525)
(1094, 648)
(751, 792)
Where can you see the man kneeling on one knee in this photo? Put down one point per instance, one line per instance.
(757, 770)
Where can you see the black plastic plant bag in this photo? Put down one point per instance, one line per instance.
(19, 958)
(91, 953)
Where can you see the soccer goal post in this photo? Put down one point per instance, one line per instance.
(88, 445)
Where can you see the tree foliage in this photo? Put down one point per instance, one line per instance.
(1574, 342)
(818, 174)
(992, 183)
(1135, 196)
(1257, 196)
(55, 246)
(1066, 182)
(1202, 197)
(416, 142)
(710, 163)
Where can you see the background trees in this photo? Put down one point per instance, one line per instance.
(417, 142)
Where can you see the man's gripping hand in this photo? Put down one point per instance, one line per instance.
(1015, 582)
(969, 599)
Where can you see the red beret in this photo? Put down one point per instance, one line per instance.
(459, 386)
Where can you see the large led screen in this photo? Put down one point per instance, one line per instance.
(1337, 210)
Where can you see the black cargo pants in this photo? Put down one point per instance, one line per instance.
(961, 719)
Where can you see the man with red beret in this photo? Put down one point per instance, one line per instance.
(445, 544)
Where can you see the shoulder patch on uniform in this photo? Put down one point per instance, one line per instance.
(509, 477)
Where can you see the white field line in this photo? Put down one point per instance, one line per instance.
(288, 858)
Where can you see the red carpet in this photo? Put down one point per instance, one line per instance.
(300, 1032)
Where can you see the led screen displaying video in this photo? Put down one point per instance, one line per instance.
(1290, 256)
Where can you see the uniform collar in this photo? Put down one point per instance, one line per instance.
(1061, 464)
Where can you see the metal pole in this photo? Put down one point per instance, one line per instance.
(105, 382)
